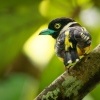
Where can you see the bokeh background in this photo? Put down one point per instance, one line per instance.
(27, 61)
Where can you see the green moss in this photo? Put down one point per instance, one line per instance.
(71, 85)
(52, 95)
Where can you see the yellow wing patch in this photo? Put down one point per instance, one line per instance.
(67, 42)
(83, 51)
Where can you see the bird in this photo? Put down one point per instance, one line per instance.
(72, 40)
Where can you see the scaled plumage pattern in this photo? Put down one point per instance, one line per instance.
(72, 40)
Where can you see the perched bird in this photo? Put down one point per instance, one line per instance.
(72, 40)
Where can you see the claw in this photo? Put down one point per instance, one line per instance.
(77, 60)
(70, 61)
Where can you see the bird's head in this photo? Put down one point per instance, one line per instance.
(55, 26)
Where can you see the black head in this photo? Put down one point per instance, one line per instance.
(55, 26)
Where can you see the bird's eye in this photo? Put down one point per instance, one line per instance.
(57, 25)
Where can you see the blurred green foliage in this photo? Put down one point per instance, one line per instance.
(18, 87)
(19, 19)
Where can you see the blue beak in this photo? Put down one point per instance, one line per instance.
(47, 32)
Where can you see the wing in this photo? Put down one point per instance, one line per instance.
(83, 39)
(77, 43)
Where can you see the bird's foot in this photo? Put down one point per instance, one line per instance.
(77, 60)
(70, 64)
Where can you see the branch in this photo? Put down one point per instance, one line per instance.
(77, 82)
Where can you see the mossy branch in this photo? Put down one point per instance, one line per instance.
(77, 82)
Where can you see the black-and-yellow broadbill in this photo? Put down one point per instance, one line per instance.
(72, 40)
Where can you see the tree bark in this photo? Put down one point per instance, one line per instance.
(76, 82)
